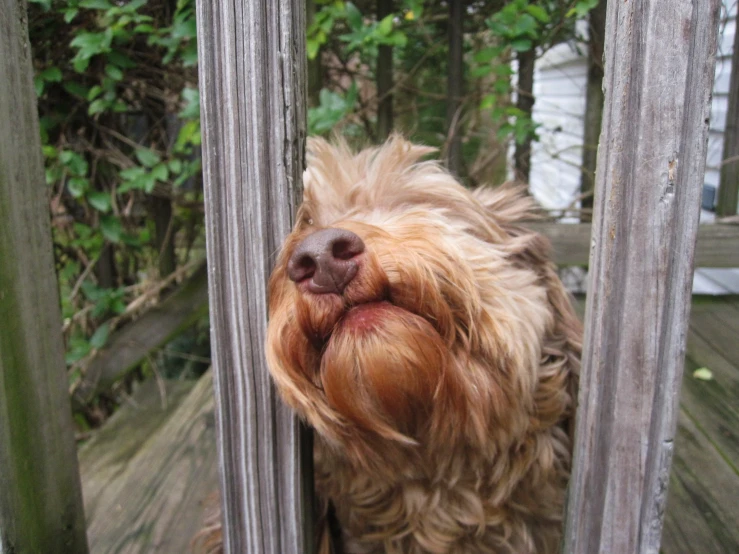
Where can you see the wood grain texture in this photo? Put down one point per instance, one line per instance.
(717, 245)
(252, 79)
(659, 66)
(702, 510)
(40, 499)
(148, 473)
(129, 345)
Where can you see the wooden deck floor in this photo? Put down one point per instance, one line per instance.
(146, 475)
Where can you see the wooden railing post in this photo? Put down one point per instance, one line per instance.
(660, 57)
(252, 86)
(40, 499)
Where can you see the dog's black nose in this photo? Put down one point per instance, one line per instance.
(326, 259)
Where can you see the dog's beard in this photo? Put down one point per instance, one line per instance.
(383, 369)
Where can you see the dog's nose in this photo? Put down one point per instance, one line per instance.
(327, 260)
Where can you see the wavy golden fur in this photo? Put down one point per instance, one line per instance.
(441, 382)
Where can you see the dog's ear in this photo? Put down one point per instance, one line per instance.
(511, 207)
(509, 203)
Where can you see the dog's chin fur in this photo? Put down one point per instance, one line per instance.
(441, 382)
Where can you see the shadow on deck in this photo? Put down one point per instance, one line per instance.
(147, 474)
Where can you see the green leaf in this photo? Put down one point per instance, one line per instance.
(504, 70)
(175, 165)
(70, 14)
(488, 101)
(160, 172)
(144, 28)
(97, 106)
(78, 349)
(114, 72)
(75, 89)
(135, 5)
(100, 200)
(312, 47)
(522, 45)
(91, 291)
(118, 306)
(100, 336)
(354, 16)
(486, 55)
(396, 38)
(147, 157)
(538, 12)
(121, 60)
(96, 4)
(703, 373)
(92, 43)
(77, 186)
(184, 28)
(111, 227)
(38, 85)
(386, 25)
(481, 71)
(76, 164)
(94, 92)
(51, 74)
(132, 173)
(149, 183)
(189, 134)
(191, 96)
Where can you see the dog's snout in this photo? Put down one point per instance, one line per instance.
(326, 259)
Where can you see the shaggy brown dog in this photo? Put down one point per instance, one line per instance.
(425, 336)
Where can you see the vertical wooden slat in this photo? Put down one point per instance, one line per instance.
(40, 499)
(252, 82)
(660, 58)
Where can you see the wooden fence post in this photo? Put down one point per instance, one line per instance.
(40, 499)
(660, 58)
(252, 83)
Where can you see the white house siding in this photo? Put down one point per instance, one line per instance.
(560, 79)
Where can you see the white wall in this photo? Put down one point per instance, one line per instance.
(559, 88)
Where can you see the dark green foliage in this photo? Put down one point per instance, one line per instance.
(120, 125)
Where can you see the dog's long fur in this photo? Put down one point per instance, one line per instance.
(441, 383)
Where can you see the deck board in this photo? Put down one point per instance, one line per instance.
(148, 471)
(702, 511)
(146, 477)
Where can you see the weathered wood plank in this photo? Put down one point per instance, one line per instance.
(702, 510)
(129, 346)
(719, 335)
(717, 246)
(651, 161)
(252, 79)
(40, 499)
(714, 410)
(148, 473)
